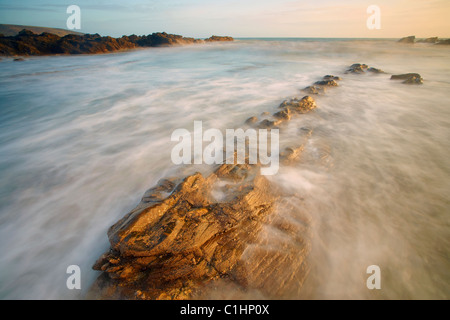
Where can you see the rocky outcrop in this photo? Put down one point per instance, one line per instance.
(443, 42)
(28, 43)
(429, 40)
(179, 239)
(408, 78)
(410, 39)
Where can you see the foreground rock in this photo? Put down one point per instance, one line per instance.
(29, 43)
(408, 78)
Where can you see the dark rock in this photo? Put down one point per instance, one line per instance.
(410, 39)
(284, 114)
(409, 78)
(375, 70)
(219, 38)
(19, 59)
(357, 68)
(251, 120)
(326, 83)
(269, 124)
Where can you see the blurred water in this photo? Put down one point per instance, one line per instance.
(82, 138)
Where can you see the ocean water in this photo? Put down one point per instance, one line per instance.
(83, 137)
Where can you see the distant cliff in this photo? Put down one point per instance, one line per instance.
(27, 43)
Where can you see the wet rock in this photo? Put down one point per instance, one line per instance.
(410, 39)
(283, 114)
(375, 70)
(303, 105)
(29, 43)
(331, 77)
(326, 83)
(219, 38)
(429, 40)
(409, 78)
(251, 120)
(269, 124)
(19, 59)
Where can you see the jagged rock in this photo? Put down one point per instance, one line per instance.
(409, 78)
(314, 89)
(410, 39)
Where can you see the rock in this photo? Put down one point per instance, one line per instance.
(429, 40)
(331, 77)
(284, 114)
(251, 120)
(173, 246)
(314, 89)
(218, 38)
(19, 59)
(357, 68)
(303, 105)
(326, 83)
(410, 39)
(269, 124)
(375, 70)
(409, 78)
(265, 113)
(29, 43)
(444, 42)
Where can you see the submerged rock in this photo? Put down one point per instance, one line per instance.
(409, 78)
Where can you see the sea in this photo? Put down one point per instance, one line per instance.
(82, 137)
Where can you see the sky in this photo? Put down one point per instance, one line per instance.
(238, 18)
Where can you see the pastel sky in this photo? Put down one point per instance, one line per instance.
(238, 18)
